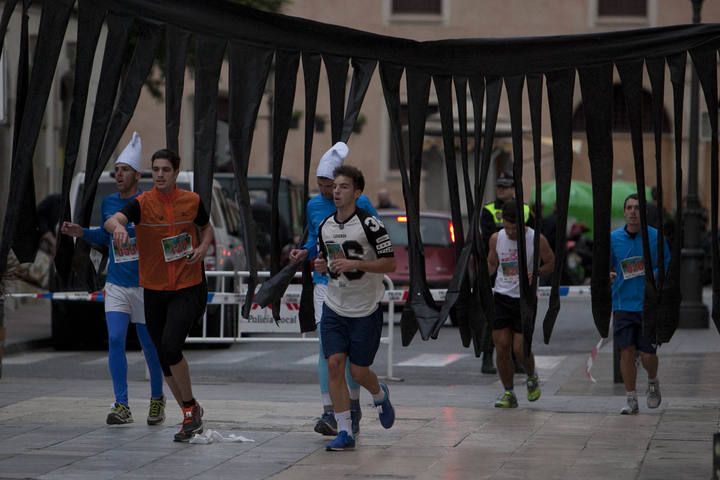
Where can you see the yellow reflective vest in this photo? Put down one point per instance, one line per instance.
(497, 213)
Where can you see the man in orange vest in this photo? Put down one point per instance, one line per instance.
(173, 234)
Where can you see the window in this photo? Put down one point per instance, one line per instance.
(417, 7)
(621, 122)
(622, 8)
(416, 11)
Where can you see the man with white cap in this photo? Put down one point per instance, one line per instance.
(123, 296)
(318, 209)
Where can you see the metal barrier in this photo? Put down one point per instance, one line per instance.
(261, 321)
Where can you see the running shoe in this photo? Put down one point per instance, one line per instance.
(119, 415)
(156, 414)
(653, 394)
(631, 408)
(533, 388)
(192, 423)
(342, 442)
(385, 410)
(355, 417)
(326, 425)
(506, 400)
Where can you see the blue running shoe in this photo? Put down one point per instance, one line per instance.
(342, 442)
(326, 425)
(385, 410)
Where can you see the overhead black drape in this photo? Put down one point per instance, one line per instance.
(362, 74)
(27, 238)
(209, 53)
(177, 43)
(249, 68)
(336, 69)
(53, 22)
(91, 15)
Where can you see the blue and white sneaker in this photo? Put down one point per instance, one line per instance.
(342, 442)
(385, 410)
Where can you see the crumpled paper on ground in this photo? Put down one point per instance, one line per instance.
(213, 436)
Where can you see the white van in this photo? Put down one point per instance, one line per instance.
(82, 325)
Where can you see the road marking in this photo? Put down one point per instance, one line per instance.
(28, 358)
(226, 358)
(548, 362)
(433, 360)
(132, 358)
(309, 360)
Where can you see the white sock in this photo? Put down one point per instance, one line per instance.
(632, 394)
(326, 399)
(379, 397)
(653, 380)
(354, 394)
(343, 422)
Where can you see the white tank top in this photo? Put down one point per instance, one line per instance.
(508, 279)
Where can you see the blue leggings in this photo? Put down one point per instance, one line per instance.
(117, 325)
(323, 370)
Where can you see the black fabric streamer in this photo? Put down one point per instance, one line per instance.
(336, 69)
(461, 96)
(422, 306)
(311, 73)
(53, 22)
(177, 43)
(443, 87)
(672, 294)
(596, 83)
(362, 74)
(5, 20)
(209, 54)
(705, 62)
(91, 14)
(249, 68)
(118, 32)
(27, 236)
(560, 94)
(286, 67)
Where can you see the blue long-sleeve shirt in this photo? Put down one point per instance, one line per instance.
(123, 274)
(626, 258)
(318, 209)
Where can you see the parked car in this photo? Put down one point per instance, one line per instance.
(76, 324)
(438, 239)
(290, 202)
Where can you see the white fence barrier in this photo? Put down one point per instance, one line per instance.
(260, 320)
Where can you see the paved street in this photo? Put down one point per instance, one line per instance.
(53, 405)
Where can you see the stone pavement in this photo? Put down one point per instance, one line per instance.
(54, 429)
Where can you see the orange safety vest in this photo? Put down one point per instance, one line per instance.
(162, 216)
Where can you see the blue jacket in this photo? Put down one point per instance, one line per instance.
(122, 274)
(626, 258)
(318, 209)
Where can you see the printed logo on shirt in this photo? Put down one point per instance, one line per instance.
(510, 269)
(632, 267)
(373, 224)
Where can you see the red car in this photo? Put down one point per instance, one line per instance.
(438, 238)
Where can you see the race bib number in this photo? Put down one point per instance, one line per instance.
(632, 267)
(126, 253)
(510, 269)
(177, 247)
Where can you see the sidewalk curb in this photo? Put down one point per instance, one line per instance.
(25, 345)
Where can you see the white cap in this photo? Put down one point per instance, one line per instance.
(332, 159)
(132, 154)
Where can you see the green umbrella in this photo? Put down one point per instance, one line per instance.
(581, 201)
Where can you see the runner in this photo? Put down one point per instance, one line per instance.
(318, 209)
(123, 296)
(507, 333)
(358, 252)
(628, 295)
(173, 235)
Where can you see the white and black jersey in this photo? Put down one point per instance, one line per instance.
(361, 237)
